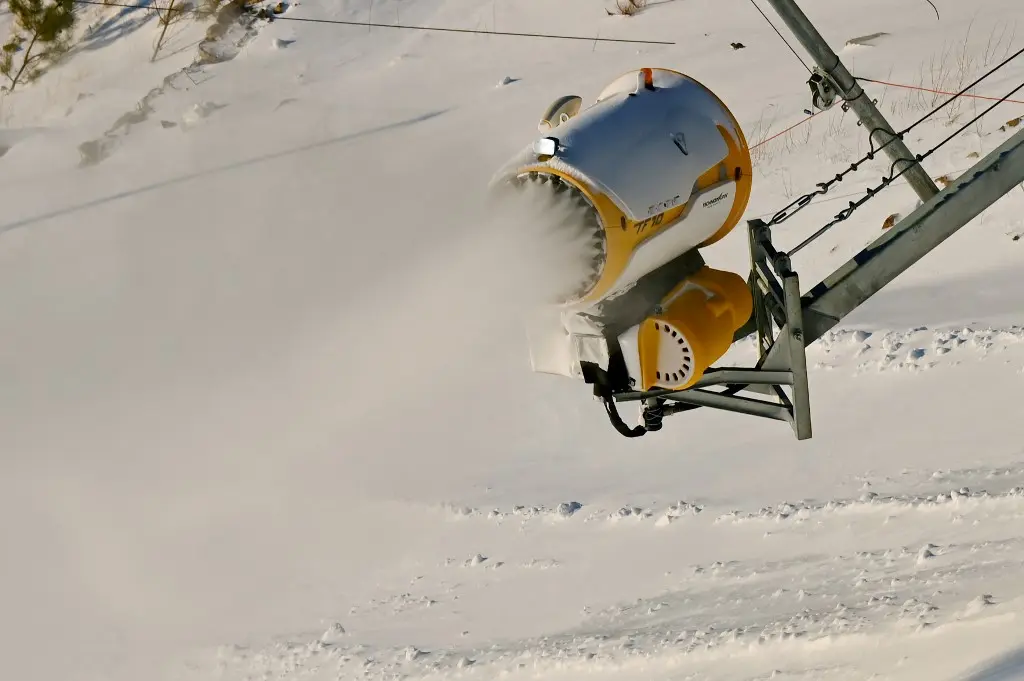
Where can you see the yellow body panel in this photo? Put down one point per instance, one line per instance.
(739, 164)
(624, 236)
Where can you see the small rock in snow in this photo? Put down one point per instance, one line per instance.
(978, 604)
(334, 633)
(567, 508)
(199, 112)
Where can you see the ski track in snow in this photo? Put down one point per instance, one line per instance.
(865, 352)
(921, 572)
(918, 349)
(1006, 489)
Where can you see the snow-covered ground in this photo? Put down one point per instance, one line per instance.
(265, 406)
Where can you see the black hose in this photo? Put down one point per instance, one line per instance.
(620, 425)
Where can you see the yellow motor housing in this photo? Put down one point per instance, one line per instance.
(692, 330)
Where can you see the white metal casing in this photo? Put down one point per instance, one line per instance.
(645, 148)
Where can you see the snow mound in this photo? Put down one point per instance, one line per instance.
(566, 509)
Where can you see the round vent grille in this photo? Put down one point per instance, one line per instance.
(675, 356)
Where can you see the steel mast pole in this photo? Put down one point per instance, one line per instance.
(851, 91)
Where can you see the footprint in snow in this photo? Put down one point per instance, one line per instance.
(200, 111)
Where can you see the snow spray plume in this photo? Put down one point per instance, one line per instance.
(459, 313)
(556, 237)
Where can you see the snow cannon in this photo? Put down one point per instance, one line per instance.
(654, 170)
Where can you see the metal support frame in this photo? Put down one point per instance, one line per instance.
(850, 90)
(912, 238)
(777, 311)
(786, 322)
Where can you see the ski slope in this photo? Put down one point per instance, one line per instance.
(265, 402)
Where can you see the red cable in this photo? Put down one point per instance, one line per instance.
(882, 82)
(937, 92)
(795, 125)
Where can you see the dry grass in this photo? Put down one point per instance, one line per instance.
(628, 8)
(760, 149)
(764, 151)
(172, 11)
(950, 70)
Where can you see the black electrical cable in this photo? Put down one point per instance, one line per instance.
(342, 22)
(779, 33)
(823, 187)
(617, 422)
(890, 178)
(967, 89)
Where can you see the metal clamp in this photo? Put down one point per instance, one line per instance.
(823, 89)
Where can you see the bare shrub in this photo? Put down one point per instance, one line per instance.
(172, 12)
(208, 8)
(760, 153)
(950, 70)
(41, 37)
(766, 148)
(628, 8)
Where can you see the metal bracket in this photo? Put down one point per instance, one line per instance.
(780, 314)
(823, 90)
(786, 323)
(778, 320)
